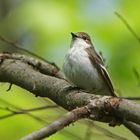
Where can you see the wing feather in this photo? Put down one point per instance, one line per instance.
(97, 61)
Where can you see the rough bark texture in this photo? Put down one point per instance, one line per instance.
(29, 77)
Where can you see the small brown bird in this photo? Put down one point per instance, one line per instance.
(85, 68)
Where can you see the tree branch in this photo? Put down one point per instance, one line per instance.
(128, 26)
(108, 133)
(104, 109)
(42, 66)
(59, 124)
(134, 128)
(14, 45)
(25, 111)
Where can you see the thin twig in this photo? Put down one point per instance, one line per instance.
(31, 115)
(128, 26)
(105, 131)
(133, 127)
(108, 133)
(59, 124)
(24, 50)
(137, 75)
(23, 111)
(10, 86)
(131, 98)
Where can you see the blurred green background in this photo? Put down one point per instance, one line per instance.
(43, 27)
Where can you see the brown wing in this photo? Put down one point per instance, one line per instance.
(98, 62)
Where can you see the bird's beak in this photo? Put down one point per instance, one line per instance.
(73, 35)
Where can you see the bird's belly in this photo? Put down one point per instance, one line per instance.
(81, 72)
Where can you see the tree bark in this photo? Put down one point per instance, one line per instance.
(101, 108)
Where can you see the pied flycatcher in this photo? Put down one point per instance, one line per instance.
(84, 67)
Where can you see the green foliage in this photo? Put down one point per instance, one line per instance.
(44, 26)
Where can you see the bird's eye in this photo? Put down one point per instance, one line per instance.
(84, 37)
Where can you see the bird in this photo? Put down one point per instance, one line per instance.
(84, 67)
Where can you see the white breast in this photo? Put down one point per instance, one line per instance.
(79, 70)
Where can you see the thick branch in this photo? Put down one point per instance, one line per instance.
(40, 65)
(105, 108)
(25, 76)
